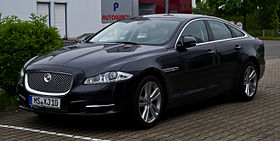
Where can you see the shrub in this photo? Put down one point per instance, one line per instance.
(7, 102)
(20, 41)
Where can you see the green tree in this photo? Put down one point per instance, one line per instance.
(203, 8)
(234, 9)
(268, 17)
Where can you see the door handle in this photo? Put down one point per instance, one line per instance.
(209, 51)
(237, 47)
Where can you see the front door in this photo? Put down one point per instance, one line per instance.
(197, 78)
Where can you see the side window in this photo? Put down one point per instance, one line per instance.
(219, 30)
(198, 30)
(236, 32)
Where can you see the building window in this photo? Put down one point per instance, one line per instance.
(146, 9)
(60, 18)
(43, 8)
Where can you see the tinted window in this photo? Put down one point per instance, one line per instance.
(236, 32)
(198, 30)
(219, 30)
(144, 31)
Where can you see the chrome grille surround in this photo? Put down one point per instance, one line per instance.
(60, 85)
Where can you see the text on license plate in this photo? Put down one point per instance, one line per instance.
(44, 102)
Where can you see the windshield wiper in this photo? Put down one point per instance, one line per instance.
(125, 42)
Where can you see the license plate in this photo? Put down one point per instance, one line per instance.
(47, 102)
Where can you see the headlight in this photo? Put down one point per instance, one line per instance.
(108, 77)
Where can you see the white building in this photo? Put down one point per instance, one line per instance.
(71, 17)
(194, 2)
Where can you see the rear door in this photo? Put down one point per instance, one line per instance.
(228, 53)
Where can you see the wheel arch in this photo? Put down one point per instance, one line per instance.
(158, 74)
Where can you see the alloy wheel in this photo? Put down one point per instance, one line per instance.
(149, 102)
(250, 81)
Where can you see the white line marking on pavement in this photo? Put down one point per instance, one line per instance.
(51, 133)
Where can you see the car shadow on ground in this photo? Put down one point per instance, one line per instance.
(196, 106)
(119, 123)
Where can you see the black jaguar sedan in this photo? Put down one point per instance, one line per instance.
(142, 66)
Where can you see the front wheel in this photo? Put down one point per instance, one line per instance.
(147, 102)
(249, 82)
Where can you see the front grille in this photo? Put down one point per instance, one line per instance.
(38, 82)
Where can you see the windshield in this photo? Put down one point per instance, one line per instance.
(152, 32)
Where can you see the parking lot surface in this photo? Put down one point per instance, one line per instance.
(272, 47)
(218, 118)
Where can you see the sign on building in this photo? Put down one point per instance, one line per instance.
(113, 10)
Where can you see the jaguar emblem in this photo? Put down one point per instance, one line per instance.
(47, 77)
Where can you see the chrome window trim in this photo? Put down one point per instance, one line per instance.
(46, 93)
(227, 23)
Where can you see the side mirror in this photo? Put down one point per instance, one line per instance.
(188, 41)
(85, 38)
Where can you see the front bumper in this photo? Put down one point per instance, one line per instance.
(82, 100)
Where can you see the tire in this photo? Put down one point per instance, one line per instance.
(147, 102)
(248, 83)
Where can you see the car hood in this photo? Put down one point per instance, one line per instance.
(93, 59)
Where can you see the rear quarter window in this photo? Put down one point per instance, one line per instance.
(236, 32)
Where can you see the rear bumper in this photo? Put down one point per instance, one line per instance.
(262, 69)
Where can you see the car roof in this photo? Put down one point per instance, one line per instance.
(181, 16)
(187, 17)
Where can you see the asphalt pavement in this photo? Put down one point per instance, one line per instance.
(272, 48)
